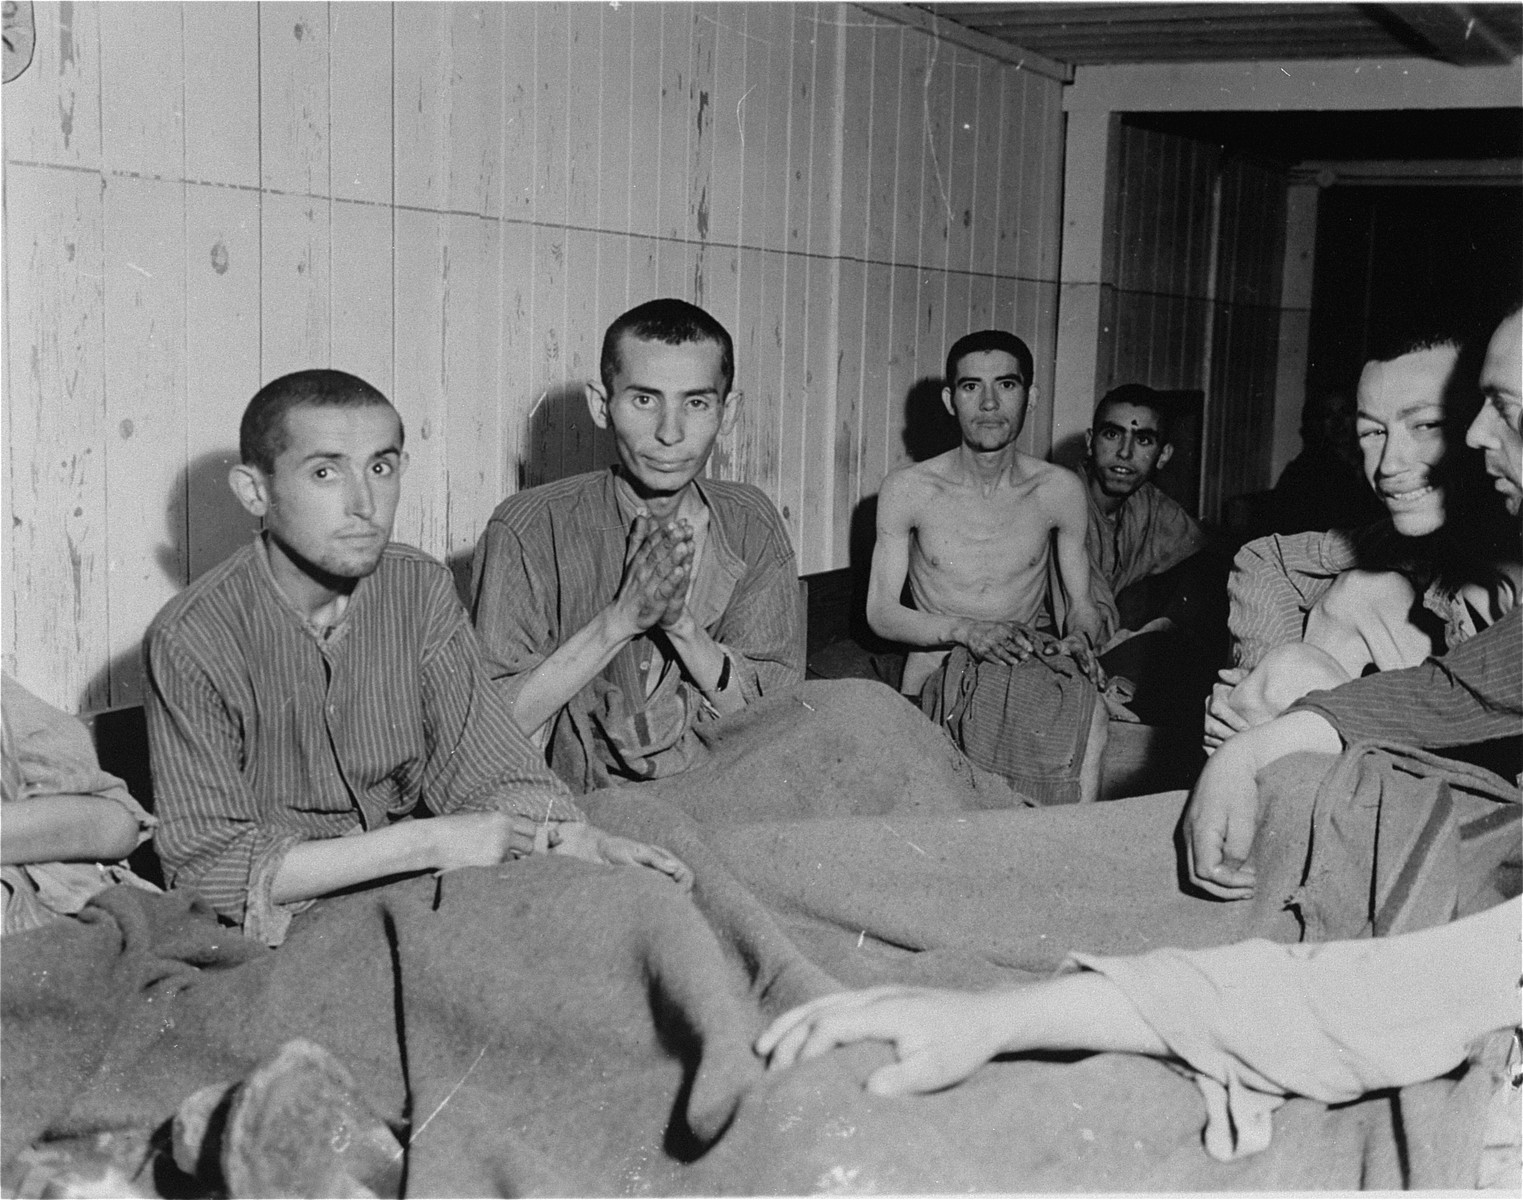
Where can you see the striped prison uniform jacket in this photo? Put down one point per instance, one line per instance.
(264, 734)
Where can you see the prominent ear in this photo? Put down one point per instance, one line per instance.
(251, 487)
(1033, 396)
(597, 403)
(1089, 443)
(402, 460)
(1164, 455)
(732, 404)
(946, 400)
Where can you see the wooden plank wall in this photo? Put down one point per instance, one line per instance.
(1245, 342)
(453, 200)
(1173, 324)
(1158, 260)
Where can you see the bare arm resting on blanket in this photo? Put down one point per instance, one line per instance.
(941, 1037)
(59, 805)
(67, 829)
(1330, 1021)
(314, 869)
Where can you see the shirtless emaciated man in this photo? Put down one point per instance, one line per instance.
(973, 530)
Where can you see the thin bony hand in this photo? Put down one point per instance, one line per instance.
(1079, 646)
(679, 535)
(590, 844)
(656, 572)
(481, 839)
(999, 641)
(939, 1037)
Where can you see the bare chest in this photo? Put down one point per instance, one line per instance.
(1008, 532)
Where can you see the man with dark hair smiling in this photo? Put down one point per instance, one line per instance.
(324, 682)
(1316, 609)
(624, 607)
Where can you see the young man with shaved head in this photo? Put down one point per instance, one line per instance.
(323, 684)
(625, 607)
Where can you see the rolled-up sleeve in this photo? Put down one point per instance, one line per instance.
(213, 836)
(1258, 1021)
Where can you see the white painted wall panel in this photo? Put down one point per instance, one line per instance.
(453, 200)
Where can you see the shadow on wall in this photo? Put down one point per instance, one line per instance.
(459, 564)
(929, 429)
(217, 524)
(561, 441)
(1070, 452)
(203, 525)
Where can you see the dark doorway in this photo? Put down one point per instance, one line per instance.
(1392, 259)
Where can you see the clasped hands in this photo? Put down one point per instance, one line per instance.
(658, 571)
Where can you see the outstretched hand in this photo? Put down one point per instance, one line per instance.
(581, 840)
(939, 1037)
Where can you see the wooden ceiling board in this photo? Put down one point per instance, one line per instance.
(1099, 34)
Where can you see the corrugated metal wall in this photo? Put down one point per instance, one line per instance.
(453, 200)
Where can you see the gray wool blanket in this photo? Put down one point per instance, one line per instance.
(555, 1028)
